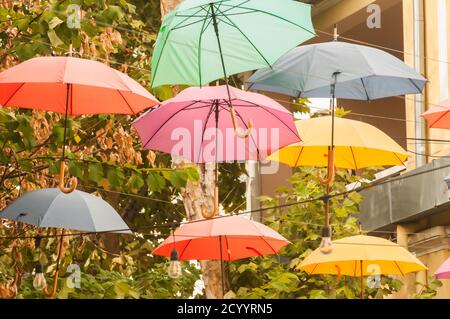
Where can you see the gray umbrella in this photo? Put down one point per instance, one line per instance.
(77, 211)
(361, 73)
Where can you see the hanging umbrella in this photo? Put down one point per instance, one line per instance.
(338, 70)
(359, 72)
(358, 255)
(438, 116)
(54, 209)
(357, 145)
(443, 271)
(77, 211)
(200, 111)
(196, 116)
(225, 238)
(71, 86)
(203, 40)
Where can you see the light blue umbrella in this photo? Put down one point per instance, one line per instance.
(76, 211)
(359, 73)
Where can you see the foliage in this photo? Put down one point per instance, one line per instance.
(104, 153)
(275, 276)
(428, 290)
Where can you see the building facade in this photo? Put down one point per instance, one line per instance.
(415, 211)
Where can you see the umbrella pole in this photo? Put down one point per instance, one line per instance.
(215, 210)
(62, 168)
(221, 267)
(237, 131)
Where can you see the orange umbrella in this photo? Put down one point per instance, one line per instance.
(72, 86)
(438, 116)
(225, 238)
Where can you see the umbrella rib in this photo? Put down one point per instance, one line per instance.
(245, 36)
(15, 92)
(299, 154)
(314, 269)
(399, 269)
(439, 118)
(128, 104)
(187, 18)
(184, 249)
(365, 90)
(403, 163)
(274, 15)
(159, 58)
(165, 122)
(354, 159)
(418, 89)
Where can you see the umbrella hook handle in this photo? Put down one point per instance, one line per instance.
(51, 293)
(238, 131)
(329, 178)
(215, 211)
(73, 180)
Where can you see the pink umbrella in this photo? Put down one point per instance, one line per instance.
(444, 270)
(438, 116)
(198, 121)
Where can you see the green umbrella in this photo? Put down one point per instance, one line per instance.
(201, 41)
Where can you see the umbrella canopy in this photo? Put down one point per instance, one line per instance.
(199, 35)
(438, 116)
(186, 125)
(223, 238)
(355, 256)
(363, 73)
(357, 145)
(77, 211)
(81, 86)
(444, 270)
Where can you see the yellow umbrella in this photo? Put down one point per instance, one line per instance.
(357, 145)
(360, 256)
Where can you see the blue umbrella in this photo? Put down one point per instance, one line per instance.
(359, 73)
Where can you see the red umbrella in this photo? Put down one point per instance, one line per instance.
(438, 116)
(222, 238)
(72, 86)
(225, 238)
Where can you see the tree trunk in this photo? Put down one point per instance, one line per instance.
(196, 194)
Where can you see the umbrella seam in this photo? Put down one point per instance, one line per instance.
(245, 36)
(15, 92)
(274, 15)
(128, 104)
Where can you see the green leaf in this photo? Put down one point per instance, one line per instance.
(155, 182)
(54, 39)
(115, 177)
(136, 182)
(54, 22)
(177, 178)
(95, 172)
(192, 173)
